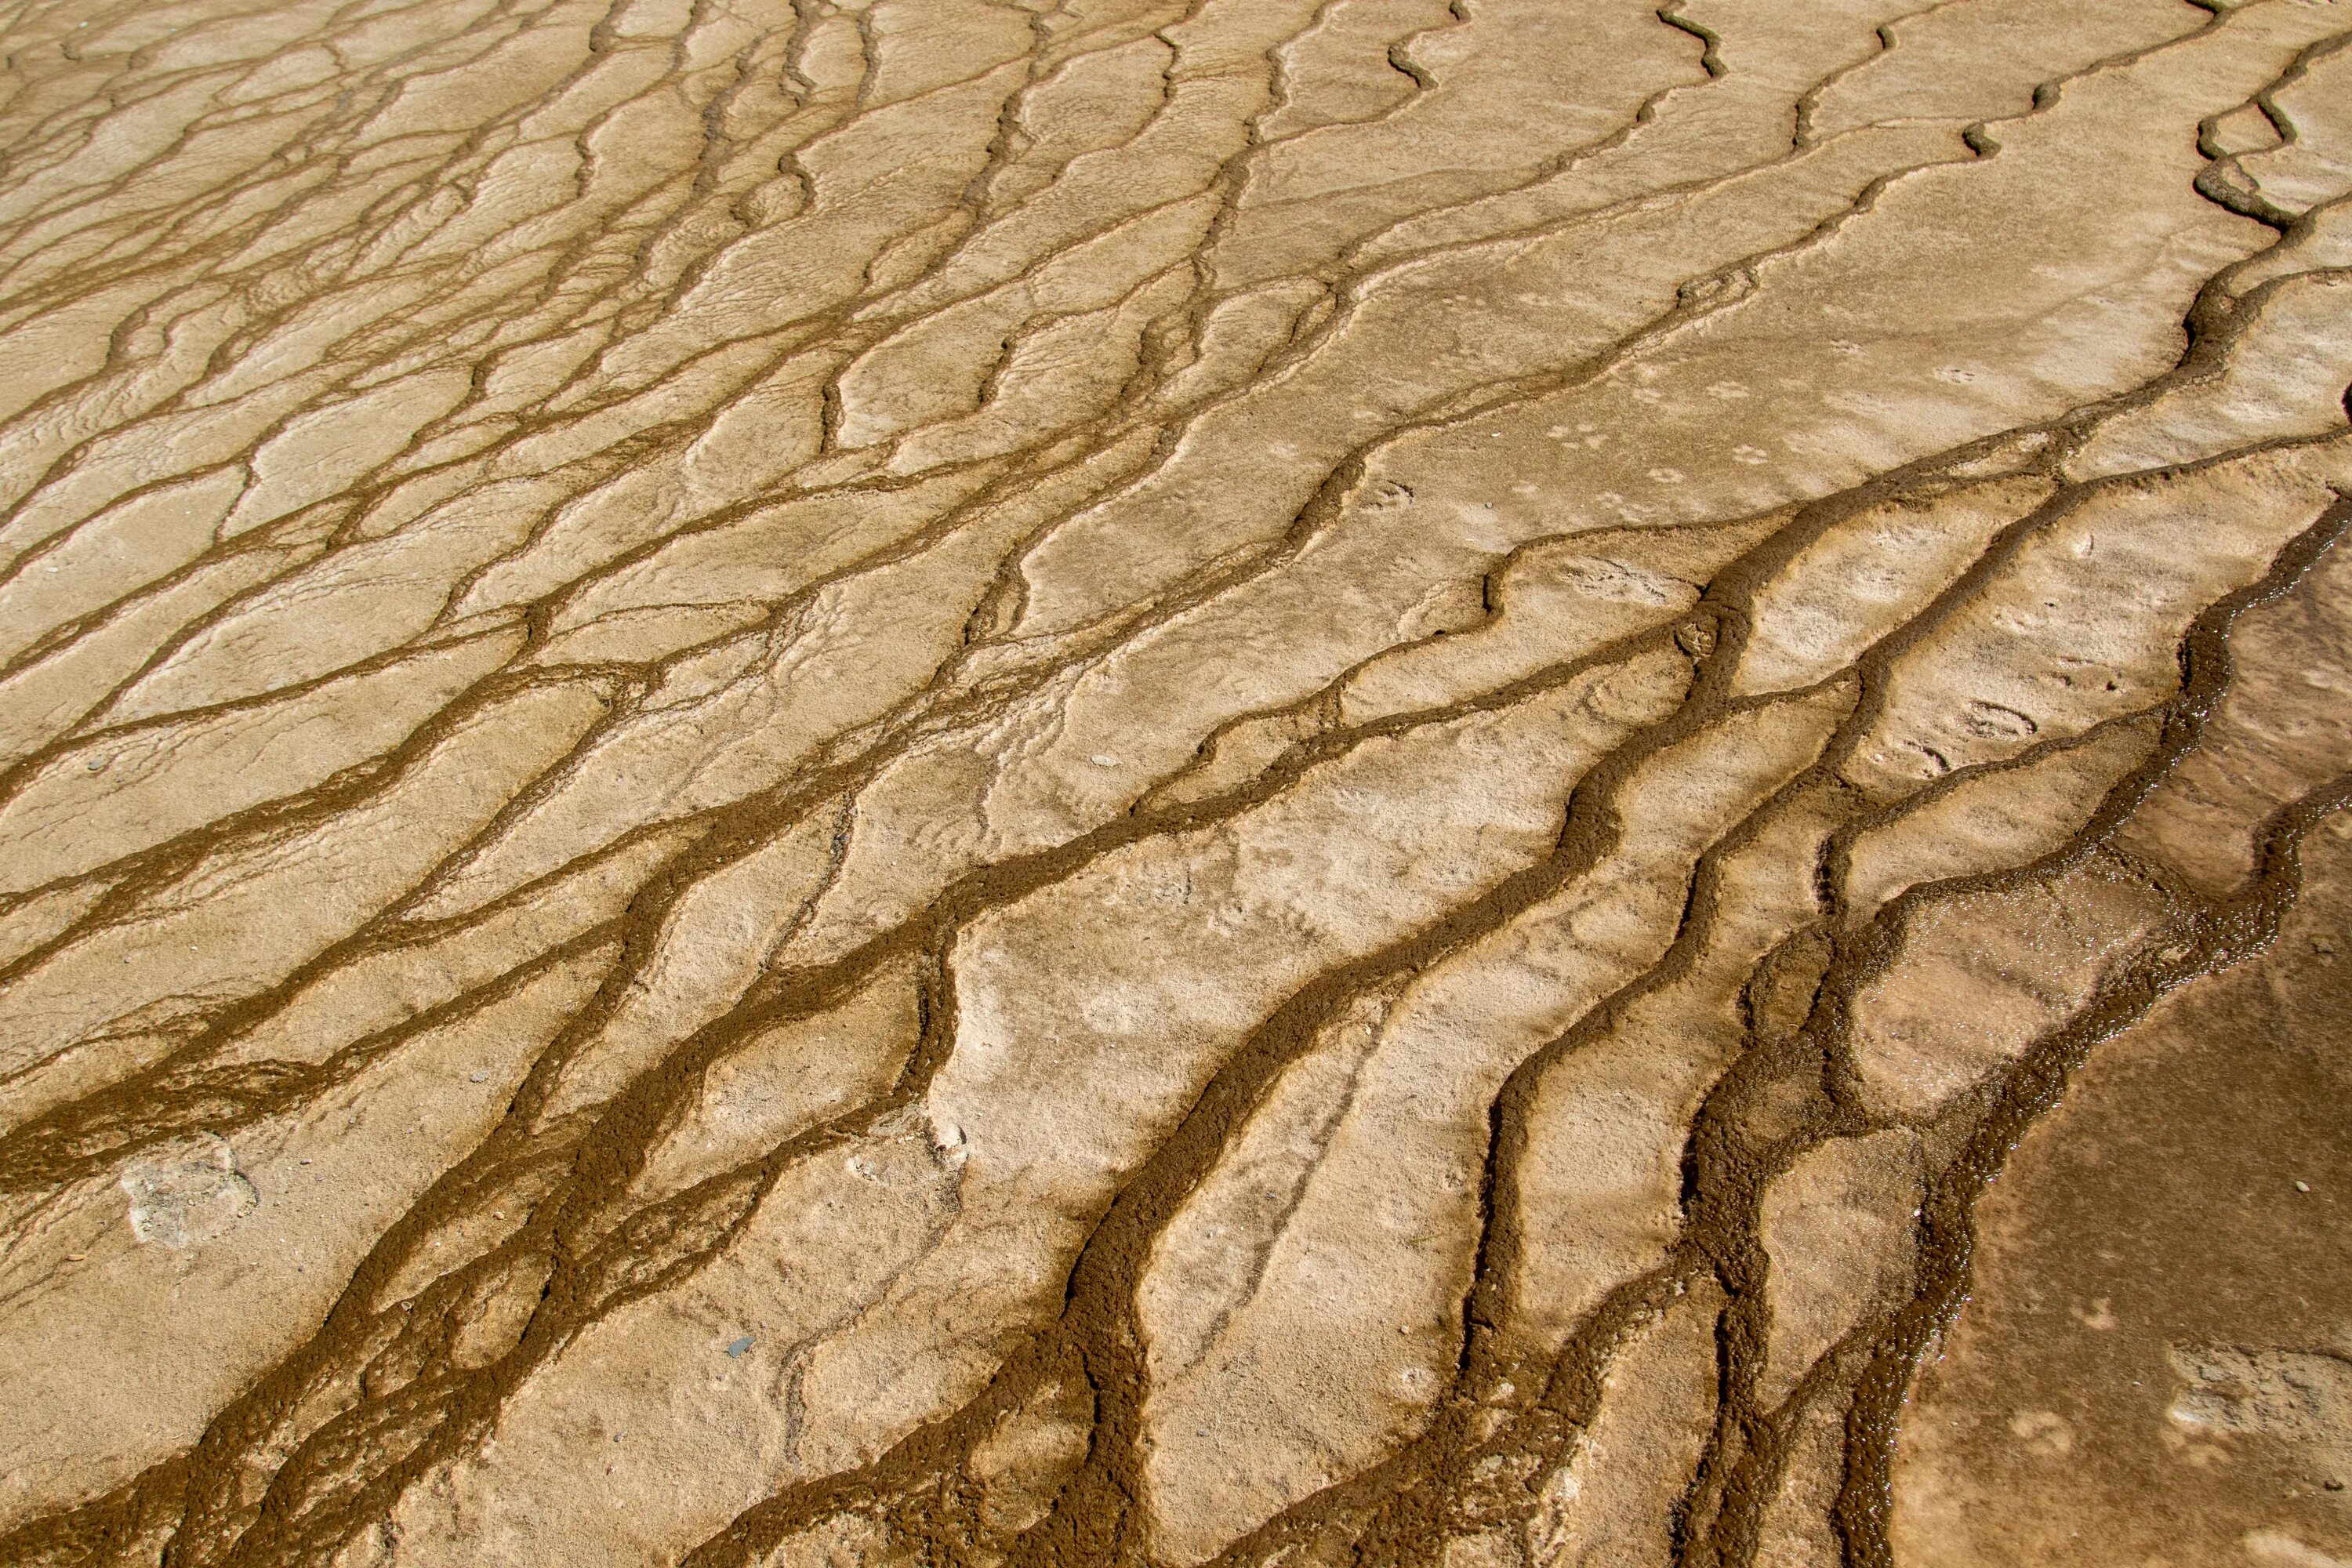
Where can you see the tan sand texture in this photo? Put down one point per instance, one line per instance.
(1037, 784)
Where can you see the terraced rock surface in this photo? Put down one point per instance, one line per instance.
(1012, 783)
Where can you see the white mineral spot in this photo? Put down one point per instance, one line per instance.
(183, 1200)
(2278, 1549)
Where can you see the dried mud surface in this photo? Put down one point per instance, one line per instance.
(1092, 782)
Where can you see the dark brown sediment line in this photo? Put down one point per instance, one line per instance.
(1405, 1479)
(1109, 1485)
(1406, 1507)
(1404, 1513)
(378, 1396)
(1264, 788)
(650, 906)
(1746, 1457)
(2207, 934)
(1719, 1519)
(608, 1158)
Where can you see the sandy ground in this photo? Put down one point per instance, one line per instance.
(1036, 784)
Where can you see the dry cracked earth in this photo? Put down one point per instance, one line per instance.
(1021, 782)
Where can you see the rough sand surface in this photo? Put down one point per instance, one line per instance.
(1116, 783)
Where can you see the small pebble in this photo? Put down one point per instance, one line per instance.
(738, 1347)
(2303, 1186)
(478, 1078)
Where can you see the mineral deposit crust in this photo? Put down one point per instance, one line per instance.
(1119, 783)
